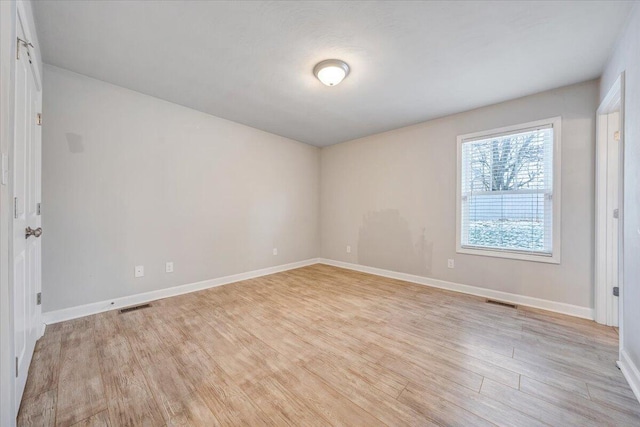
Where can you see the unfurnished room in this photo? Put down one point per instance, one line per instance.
(319, 213)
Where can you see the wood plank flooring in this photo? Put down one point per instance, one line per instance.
(323, 346)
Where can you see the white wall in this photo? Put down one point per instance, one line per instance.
(626, 57)
(8, 11)
(392, 197)
(133, 180)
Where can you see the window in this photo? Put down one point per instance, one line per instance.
(509, 192)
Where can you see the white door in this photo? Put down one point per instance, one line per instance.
(26, 215)
(613, 226)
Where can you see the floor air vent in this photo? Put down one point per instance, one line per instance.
(134, 308)
(502, 303)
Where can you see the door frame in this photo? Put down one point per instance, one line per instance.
(603, 298)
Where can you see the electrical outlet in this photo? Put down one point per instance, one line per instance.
(275, 251)
(451, 263)
(139, 271)
(169, 267)
(348, 249)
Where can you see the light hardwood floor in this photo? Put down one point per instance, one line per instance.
(326, 346)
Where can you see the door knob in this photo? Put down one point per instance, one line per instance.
(32, 232)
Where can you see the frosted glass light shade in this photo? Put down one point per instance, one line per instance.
(331, 72)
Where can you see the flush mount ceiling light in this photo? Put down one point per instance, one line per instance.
(331, 71)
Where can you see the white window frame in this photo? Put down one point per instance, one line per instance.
(554, 258)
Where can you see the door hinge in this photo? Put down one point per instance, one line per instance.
(616, 213)
(616, 291)
(16, 367)
(39, 119)
(39, 298)
(38, 209)
(24, 43)
(15, 207)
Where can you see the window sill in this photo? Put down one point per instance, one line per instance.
(555, 259)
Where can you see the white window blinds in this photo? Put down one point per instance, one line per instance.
(507, 191)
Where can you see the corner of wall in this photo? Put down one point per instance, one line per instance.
(319, 201)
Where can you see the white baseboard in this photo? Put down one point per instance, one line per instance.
(630, 372)
(99, 307)
(558, 307)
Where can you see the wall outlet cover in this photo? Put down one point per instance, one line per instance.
(275, 251)
(139, 271)
(451, 263)
(169, 267)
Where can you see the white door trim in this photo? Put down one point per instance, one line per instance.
(604, 300)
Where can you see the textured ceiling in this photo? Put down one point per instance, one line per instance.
(251, 62)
